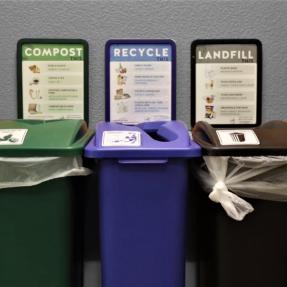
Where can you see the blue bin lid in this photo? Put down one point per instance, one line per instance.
(147, 140)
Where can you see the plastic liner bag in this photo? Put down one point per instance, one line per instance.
(228, 178)
(28, 171)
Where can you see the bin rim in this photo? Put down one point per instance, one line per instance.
(176, 144)
(40, 143)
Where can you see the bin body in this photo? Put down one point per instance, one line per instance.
(39, 235)
(40, 225)
(250, 253)
(143, 196)
(142, 223)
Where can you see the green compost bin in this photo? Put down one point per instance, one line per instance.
(40, 225)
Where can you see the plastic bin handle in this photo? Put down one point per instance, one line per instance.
(80, 143)
(143, 161)
(205, 135)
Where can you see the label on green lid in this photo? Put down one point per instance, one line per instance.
(12, 136)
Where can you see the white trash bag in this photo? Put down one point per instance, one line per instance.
(260, 177)
(28, 171)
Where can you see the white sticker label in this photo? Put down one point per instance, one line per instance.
(12, 136)
(237, 137)
(121, 138)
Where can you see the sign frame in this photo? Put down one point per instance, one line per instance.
(209, 42)
(111, 42)
(82, 42)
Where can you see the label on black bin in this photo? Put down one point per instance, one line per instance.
(121, 138)
(12, 136)
(237, 137)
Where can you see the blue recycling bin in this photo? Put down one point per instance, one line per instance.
(143, 185)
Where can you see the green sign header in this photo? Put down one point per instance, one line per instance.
(53, 52)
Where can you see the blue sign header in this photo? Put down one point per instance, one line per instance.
(140, 52)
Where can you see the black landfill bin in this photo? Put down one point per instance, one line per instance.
(251, 252)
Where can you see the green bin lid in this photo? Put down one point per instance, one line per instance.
(26, 138)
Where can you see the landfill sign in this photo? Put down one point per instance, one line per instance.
(226, 82)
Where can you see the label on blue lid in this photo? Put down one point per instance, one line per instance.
(121, 138)
(12, 136)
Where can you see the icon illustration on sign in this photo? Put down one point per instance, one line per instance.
(122, 108)
(121, 81)
(34, 94)
(34, 81)
(34, 69)
(122, 75)
(209, 112)
(34, 109)
(209, 99)
(121, 95)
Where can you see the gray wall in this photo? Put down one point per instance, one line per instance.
(183, 21)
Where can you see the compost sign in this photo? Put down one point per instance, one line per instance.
(52, 80)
